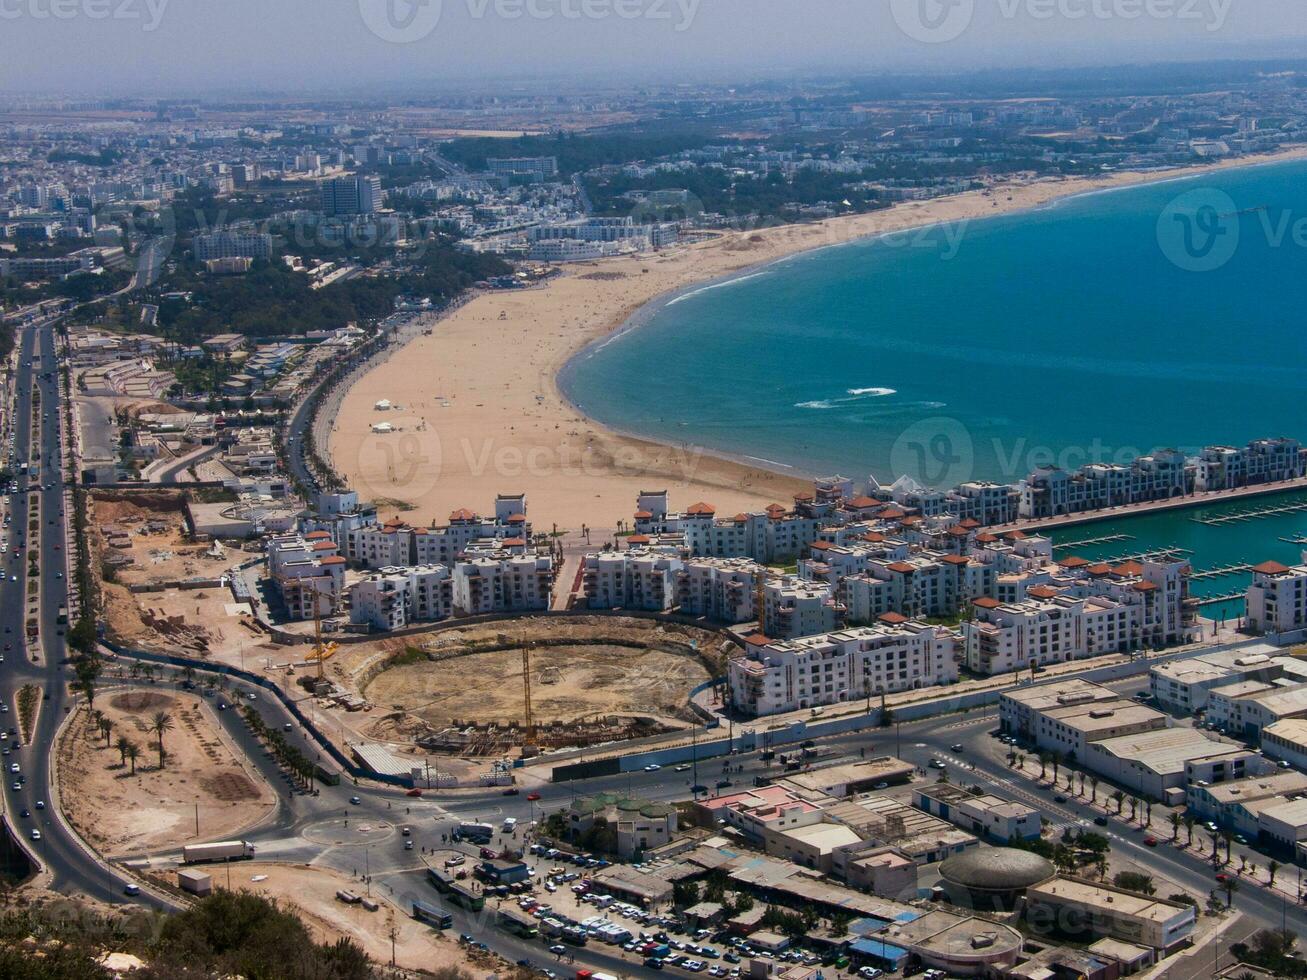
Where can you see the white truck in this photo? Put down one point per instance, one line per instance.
(227, 850)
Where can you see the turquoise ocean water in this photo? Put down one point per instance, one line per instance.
(1099, 327)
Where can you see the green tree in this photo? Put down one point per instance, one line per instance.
(159, 724)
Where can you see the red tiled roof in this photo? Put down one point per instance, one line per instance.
(332, 560)
(985, 538)
(757, 640)
(700, 509)
(516, 519)
(1144, 586)
(323, 545)
(1100, 569)
(893, 515)
(638, 539)
(1015, 535)
(861, 502)
(515, 543)
(969, 523)
(956, 560)
(1271, 568)
(985, 602)
(1074, 561)
(892, 618)
(1041, 591)
(1128, 568)
(643, 515)
(316, 535)
(822, 546)
(462, 515)
(803, 496)
(902, 567)
(875, 537)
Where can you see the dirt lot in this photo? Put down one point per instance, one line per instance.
(617, 667)
(149, 529)
(313, 891)
(124, 814)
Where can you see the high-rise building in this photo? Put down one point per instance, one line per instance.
(351, 195)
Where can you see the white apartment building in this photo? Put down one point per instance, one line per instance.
(232, 245)
(722, 589)
(923, 585)
(774, 535)
(793, 607)
(395, 543)
(1277, 598)
(508, 583)
(308, 573)
(635, 579)
(808, 672)
(396, 597)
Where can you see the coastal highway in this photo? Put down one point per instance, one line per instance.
(71, 867)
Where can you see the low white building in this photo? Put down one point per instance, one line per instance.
(634, 579)
(797, 608)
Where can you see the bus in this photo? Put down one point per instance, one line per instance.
(518, 924)
(435, 917)
(456, 891)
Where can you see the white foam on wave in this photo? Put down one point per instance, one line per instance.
(711, 286)
(854, 395)
(821, 403)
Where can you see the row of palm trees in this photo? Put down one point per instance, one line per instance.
(301, 766)
(1141, 810)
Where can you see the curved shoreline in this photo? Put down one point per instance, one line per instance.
(650, 310)
(501, 368)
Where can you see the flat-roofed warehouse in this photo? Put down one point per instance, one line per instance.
(1077, 907)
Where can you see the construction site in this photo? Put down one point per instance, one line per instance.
(533, 685)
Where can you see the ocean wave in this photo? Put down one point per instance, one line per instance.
(854, 395)
(715, 285)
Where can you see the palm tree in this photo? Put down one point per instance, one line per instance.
(1134, 808)
(1175, 826)
(106, 729)
(1057, 762)
(132, 750)
(1189, 826)
(1119, 798)
(162, 722)
(121, 745)
(1043, 764)
(1093, 784)
(1231, 886)
(1273, 869)
(1228, 837)
(1148, 812)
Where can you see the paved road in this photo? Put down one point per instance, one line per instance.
(71, 867)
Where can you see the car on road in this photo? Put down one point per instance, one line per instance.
(1059, 798)
(512, 791)
(15, 768)
(682, 768)
(937, 764)
(959, 747)
(36, 834)
(355, 800)
(408, 845)
(1100, 821)
(414, 793)
(652, 767)
(40, 804)
(558, 949)
(653, 962)
(132, 890)
(25, 813)
(533, 796)
(1150, 841)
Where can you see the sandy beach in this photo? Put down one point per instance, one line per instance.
(476, 409)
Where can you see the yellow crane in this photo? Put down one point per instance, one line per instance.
(321, 651)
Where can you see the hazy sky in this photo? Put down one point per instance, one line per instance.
(183, 47)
